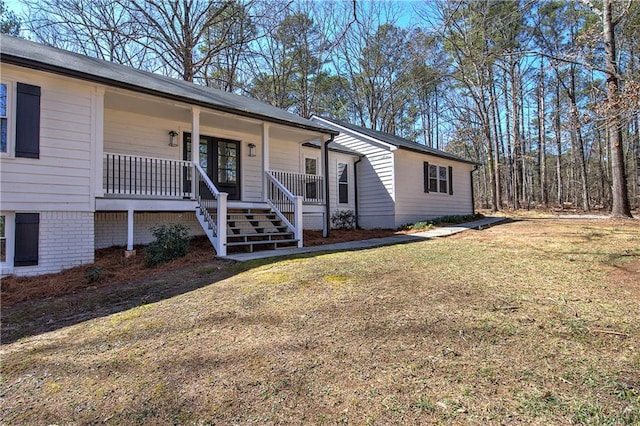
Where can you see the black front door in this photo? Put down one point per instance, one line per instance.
(220, 158)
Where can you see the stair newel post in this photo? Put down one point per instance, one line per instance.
(297, 220)
(221, 224)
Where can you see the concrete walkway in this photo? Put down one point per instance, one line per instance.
(374, 242)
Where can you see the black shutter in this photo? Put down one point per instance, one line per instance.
(28, 121)
(426, 176)
(450, 180)
(26, 238)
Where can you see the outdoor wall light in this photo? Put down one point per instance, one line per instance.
(172, 138)
(252, 149)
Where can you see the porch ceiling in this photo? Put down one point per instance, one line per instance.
(146, 105)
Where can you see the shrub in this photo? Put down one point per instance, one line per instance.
(344, 219)
(93, 274)
(171, 242)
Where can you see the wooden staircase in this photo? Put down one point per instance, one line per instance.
(250, 229)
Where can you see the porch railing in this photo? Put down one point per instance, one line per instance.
(310, 187)
(285, 204)
(212, 209)
(131, 175)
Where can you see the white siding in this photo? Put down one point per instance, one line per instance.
(375, 183)
(144, 135)
(60, 180)
(285, 156)
(65, 241)
(111, 227)
(413, 204)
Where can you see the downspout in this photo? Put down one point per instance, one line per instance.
(327, 213)
(355, 189)
(473, 202)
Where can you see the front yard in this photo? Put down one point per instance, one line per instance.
(533, 321)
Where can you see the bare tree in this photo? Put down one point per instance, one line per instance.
(97, 28)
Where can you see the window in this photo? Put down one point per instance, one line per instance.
(443, 179)
(4, 123)
(311, 166)
(20, 120)
(311, 184)
(438, 178)
(343, 183)
(7, 222)
(433, 178)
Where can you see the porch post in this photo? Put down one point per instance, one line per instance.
(265, 159)
(221, 224)
(298, 221)
(195, 148)
(129, 251)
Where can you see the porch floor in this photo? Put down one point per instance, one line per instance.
(366, 244)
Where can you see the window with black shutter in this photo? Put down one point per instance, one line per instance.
(26, 239)
(343, 184)
(27, 121)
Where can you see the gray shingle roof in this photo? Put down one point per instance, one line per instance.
(396, 141)
(37, 56)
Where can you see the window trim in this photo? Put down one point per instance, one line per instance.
(339, 183)
(11, 113)
(6, 267)
(428, 180)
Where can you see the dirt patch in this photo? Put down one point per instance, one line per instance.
(112, 269)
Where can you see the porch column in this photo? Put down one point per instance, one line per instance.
(195, 148)
(129, 251)
(265, 158)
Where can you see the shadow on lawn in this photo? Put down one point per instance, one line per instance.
(34, 317)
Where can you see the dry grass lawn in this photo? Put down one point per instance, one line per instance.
(534, 321)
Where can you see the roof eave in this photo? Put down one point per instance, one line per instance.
(446, 157)
(41, 66)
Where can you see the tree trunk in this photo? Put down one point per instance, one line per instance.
(542, 146)
(620, 207)
(560, 198)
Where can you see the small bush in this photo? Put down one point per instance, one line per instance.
(93, 274)
(171, 242)
(430, 224)
(344, 219)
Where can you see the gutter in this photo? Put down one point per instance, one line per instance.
(327, 213)
(473, 198)
(355, 188)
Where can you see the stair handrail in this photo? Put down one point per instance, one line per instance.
(294, 200)
(219, 226)
(206, 180)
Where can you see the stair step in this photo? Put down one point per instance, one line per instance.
(260, 234)
(261, 242)
(253, 220)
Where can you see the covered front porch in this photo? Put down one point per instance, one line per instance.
(149, 164)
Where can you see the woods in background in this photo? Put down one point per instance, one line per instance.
(545, 95)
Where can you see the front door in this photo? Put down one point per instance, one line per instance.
(220, 158)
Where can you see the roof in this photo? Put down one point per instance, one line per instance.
(396, 141)
(45, 58)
